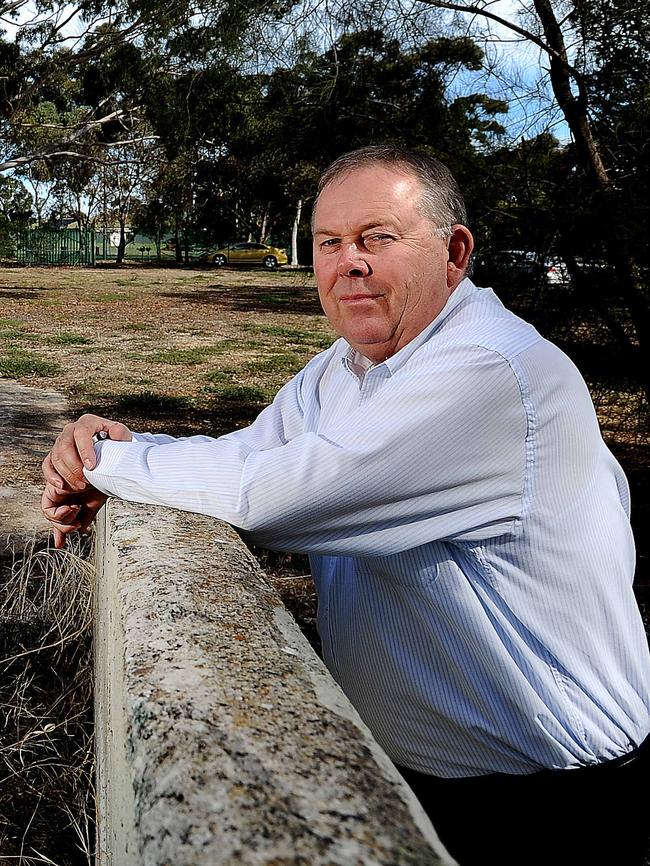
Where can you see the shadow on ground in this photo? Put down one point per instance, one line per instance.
(263, 299)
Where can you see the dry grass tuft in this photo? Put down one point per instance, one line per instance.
(46, 711)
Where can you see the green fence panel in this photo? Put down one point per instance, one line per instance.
(54, 247)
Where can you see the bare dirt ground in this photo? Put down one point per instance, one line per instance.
(159, 343)
(179, 350)
(190, 350)
(29, 419)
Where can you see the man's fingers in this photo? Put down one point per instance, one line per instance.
(88, 520)
(65, 458)
(70, 511)
(51, 475)
(83, 432)
(68, 501)
(59, 538)
(85, 429)
(66, 515)
(59, 507)
(74, 447)
(60, 533)
(119, 432)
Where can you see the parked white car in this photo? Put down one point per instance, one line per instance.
(557, 272)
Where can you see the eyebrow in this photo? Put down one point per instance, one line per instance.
(371, 225)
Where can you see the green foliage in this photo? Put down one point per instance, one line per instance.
(616, 58)
(15, 202)
(511, 204)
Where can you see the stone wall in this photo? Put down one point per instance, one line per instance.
(221, 737)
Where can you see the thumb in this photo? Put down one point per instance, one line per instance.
(119, 432)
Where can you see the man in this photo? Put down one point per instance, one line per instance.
(467, 527)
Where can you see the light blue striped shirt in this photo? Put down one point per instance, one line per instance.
(468, 532)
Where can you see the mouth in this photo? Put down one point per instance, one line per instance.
(358, 298)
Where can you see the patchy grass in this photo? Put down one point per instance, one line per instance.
(150, 402)
(110, 297)
(19, 364)
(240, 393)
(11, 323)
(283, 362)
(189, 357)
(172, 350)
(10, 334)
(290, 335)
(164, 347)
(136, 326)
(67, 338)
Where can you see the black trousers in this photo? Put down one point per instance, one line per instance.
(591, 816)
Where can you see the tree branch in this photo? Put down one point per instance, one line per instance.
(18, 161)
(62, 148)
(8, 8)
(510, 25)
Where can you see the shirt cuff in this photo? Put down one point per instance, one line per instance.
(109, 455)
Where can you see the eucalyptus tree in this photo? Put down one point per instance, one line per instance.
(595, 55)
(47, 50)
(366, 88)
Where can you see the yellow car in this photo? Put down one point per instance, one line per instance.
(248, 254)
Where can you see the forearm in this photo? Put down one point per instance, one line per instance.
(376, 484)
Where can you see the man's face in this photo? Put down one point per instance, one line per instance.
(382, 273)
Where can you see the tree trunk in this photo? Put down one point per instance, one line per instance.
(574, 107)
(177, 244)
(575, 110)
(121, 247)
(264, 230)
(294, 233)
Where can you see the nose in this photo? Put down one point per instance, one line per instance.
(352, 262)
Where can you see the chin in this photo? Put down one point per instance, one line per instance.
(366, 340)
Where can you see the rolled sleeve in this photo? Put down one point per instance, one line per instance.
(420, 461)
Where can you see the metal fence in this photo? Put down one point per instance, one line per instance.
(50, 247)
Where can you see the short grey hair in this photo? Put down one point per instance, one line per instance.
(441, 201)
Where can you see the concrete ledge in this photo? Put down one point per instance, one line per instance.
(222, 738)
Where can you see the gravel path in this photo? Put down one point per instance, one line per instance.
(30, 418)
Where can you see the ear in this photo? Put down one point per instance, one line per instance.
(460, 248)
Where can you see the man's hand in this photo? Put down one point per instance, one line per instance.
(68, 501)
(74, 449)
(70, 511)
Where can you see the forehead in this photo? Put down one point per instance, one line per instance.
(371, 195)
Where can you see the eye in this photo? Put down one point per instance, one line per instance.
(377, 240)
(329, 244)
